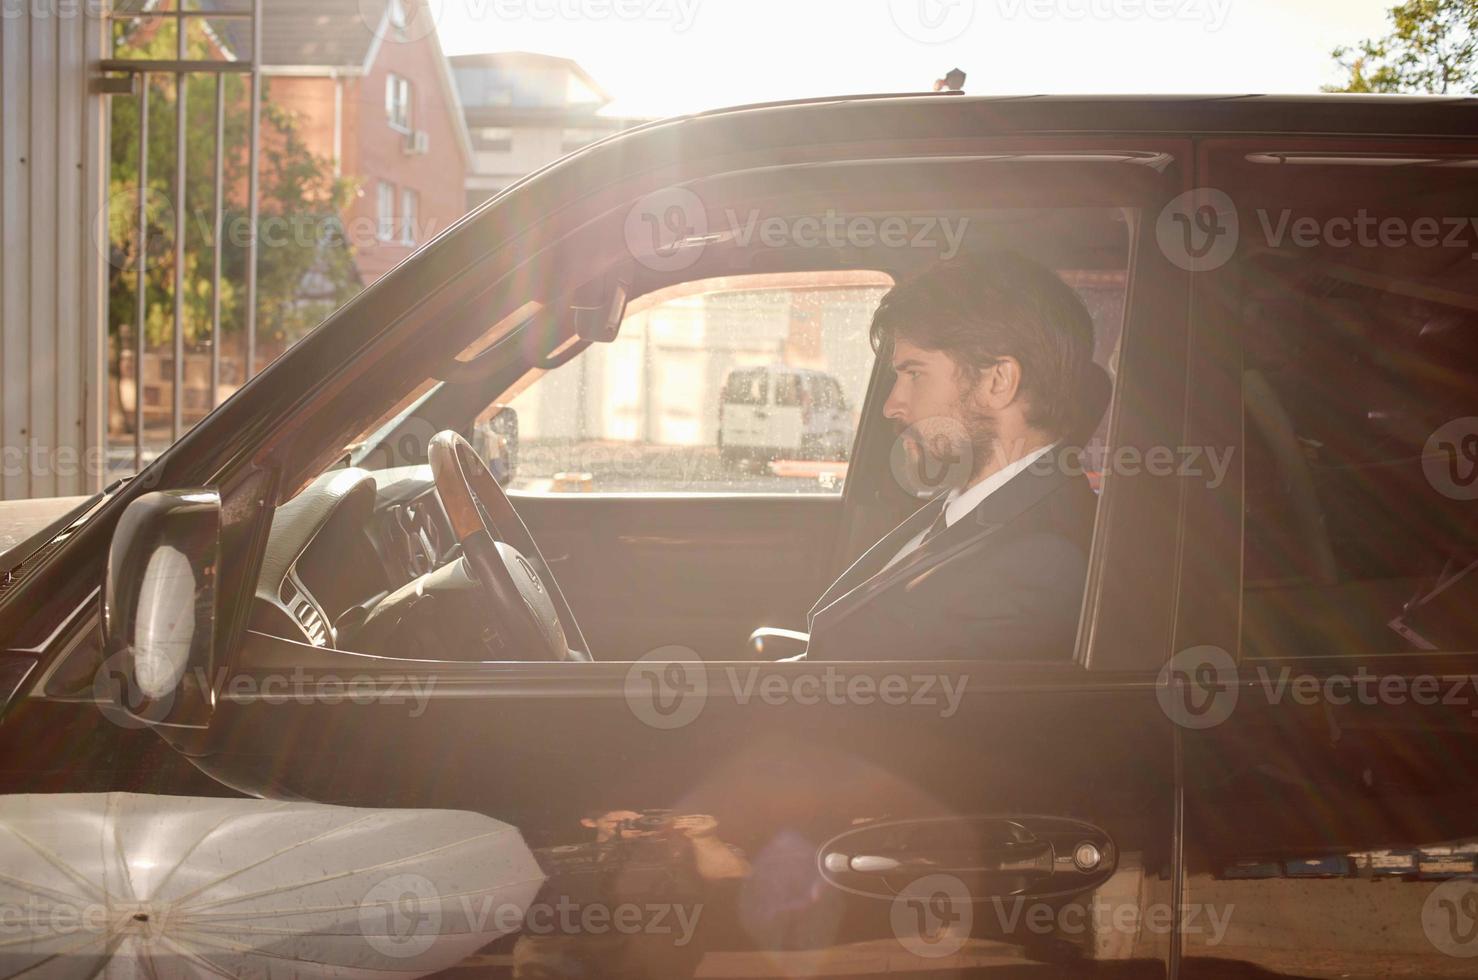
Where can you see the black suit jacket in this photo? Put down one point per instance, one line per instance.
(1005, 582)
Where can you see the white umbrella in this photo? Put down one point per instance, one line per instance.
(120, 885)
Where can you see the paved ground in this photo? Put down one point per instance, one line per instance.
(615, 467)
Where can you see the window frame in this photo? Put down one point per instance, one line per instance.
(1212, 590)
(385, 193)
(399, 103)
(410, 214)
(866, 278)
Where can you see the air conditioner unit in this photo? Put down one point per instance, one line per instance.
(418, 143)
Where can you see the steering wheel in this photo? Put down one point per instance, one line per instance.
(532, 620)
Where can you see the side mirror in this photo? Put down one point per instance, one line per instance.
(159, 607)
(496, 441)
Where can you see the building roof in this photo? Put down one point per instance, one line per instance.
(321, 34)
(336, 37)
(513, 61)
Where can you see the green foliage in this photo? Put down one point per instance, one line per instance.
(299, 234)
(1432, 49)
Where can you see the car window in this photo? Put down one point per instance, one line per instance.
(787, 390)
(680, 402)
(747, 388)
(1360, 325)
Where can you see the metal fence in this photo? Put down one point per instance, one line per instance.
(126, 77)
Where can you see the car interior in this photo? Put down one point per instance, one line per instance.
(1353, 359)
(365, 558)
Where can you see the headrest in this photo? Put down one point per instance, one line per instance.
(1093, 402)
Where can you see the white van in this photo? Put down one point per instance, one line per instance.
(782, 412)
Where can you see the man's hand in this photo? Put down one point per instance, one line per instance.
(695, 825)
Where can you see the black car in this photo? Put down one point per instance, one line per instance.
(1261, 759)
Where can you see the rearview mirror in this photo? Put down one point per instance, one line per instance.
(599, 308)
(159, 607)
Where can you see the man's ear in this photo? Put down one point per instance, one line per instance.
(1000, 383)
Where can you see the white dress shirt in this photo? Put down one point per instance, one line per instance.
(961, 502)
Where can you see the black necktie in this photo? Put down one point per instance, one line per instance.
(939, 525)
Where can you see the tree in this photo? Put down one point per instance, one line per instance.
(1432, 49)
(299, 231)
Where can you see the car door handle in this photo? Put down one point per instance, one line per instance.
(991, 856)
(1030, 860)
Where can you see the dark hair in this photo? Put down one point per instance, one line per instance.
(982, 307)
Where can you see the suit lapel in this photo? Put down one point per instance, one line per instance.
(1019, 494)
(873, 559)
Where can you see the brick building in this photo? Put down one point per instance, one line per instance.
(374, 93)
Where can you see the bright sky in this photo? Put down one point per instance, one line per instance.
(665, 57)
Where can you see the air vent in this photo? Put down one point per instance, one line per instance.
(311, 622)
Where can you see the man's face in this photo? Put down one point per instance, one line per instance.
(936, 410)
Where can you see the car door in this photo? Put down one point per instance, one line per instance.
(840, 819)
(1330, 741)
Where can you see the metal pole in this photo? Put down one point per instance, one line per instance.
(215, 281)
(143, 282)
(251, 187)
(177, 387)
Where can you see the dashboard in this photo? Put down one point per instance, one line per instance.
(358, 560)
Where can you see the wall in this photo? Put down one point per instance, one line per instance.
(373, 150)
(52, 181)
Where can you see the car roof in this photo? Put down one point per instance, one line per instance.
(924, 115)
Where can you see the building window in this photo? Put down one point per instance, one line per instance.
(409, 206)
(385, 228)
(495, 139)
(398, 102)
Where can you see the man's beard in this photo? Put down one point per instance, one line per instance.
(957, 444)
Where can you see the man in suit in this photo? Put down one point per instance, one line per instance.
(993, 356)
